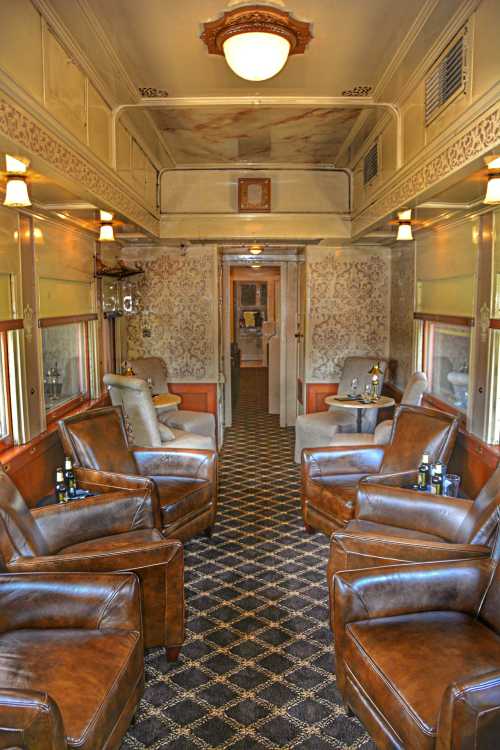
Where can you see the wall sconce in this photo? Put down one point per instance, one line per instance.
(492, 196)
(404, 225)
(16, 190)
(106, 233)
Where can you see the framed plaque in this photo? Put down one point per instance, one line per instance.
(254, 194)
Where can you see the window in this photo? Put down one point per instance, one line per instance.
(67, 363)
(446, 79)
(370, 164)
(8, 329)
(446, 352)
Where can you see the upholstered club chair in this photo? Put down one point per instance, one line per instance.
(109, 532)
(185, 480)
(134, 396)
(318, 430)
(418, 652)
(330, 475)
(71, 660)
(412, 396)
(395, 525)
(185, 420)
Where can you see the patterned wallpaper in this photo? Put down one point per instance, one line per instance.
(348, 308)
(401, 329)
(178, 318)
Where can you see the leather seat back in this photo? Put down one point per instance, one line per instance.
(19, 533)
(489, 610)
(417, 430)
(134, 396)
(414, 389)
(97, 439)
(481, 523)
(154, 368)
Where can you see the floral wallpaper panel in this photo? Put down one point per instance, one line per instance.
(402, 302)
(178, 314)
(348, 308)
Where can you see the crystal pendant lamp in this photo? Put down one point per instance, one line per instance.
(256, 40)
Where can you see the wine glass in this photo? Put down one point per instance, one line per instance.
(354, 387)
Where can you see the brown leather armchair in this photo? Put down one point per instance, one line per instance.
(71, 660)
(394, 525)
(418, 653)
(111, 532)
(330, 475)
(185, 480)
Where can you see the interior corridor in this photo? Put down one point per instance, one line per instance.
(256, 669)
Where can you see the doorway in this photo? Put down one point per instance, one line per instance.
(260, 320)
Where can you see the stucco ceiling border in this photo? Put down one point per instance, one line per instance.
(482, 135)
(17, 125)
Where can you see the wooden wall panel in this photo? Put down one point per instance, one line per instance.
(316, 394)
(196, 396)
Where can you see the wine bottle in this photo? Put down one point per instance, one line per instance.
(424, 471)
(69, 477)
(61, 495)
(437, 480)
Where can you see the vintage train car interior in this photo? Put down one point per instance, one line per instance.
(249, 374)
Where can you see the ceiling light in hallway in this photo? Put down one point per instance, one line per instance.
(16, 190)
(404, 229)
(255, 249)
(256, 40)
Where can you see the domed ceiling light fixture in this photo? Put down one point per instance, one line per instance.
(256, 40)
(492, 196)
(16, 189)
(255, 249)
(404, 225)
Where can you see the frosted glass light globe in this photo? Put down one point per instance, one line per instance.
(256, 55)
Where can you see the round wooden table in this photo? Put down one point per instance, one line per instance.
(166, 399)
(383, 402)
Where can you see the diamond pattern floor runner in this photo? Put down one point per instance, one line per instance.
(256, 670)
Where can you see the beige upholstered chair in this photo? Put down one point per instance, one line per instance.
(178, 419)
(412, 396)
(134, 396)
(318, 430)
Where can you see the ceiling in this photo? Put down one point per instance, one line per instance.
(158, 43)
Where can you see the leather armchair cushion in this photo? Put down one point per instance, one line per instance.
(90, 674)
(182, 496)
(406, 662)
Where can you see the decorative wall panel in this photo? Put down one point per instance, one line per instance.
(178, 319)
(401, 328)
(348, 308)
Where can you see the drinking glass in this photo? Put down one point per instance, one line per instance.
(354, 386)
(451, 485)
(367, 393)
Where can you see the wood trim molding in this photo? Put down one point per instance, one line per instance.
(11, 325)
(196, 396)
(63, 320)
(495, 323)
(455, 320)
(316, 394)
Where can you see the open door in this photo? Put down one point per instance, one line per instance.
(301, 338)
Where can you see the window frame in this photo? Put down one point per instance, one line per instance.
(14, 324)
(59, 411)
(425, 320)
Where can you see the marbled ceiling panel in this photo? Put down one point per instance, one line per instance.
(259, 134)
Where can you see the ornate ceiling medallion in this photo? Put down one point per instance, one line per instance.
(256, 40)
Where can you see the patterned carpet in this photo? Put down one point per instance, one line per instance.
(256, 669)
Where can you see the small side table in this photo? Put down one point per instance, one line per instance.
(164, 400)
(383, 402)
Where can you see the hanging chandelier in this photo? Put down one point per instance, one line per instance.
(256, 40)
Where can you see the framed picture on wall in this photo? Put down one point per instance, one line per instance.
(254, 194)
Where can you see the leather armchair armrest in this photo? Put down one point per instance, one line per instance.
(99, 481)
(31, 720)
(471, 709)
(176, 462)
(324, 462)
(351, 550)
(70, 600)
(393, 479)
(159, 551)
(409, 509)
(104, 515)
